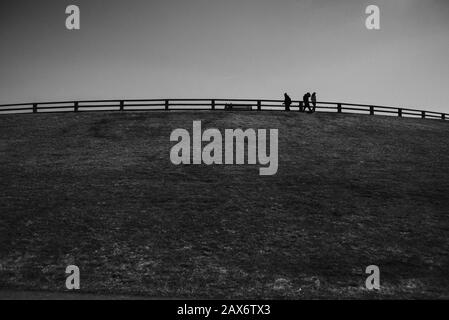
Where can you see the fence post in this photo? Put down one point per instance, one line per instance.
(339, 108)
(212, 104)
(259, 105)
(371, 110)
(34, 107)
(399, 112)
(423, 114)
(122, 105)
(166, 104)
(443, 116)
(75, 106)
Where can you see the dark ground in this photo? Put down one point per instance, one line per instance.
(98, 190)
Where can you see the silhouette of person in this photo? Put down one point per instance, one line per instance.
(306, 98)
(287, 102)
(314, 101)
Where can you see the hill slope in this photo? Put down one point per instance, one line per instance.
(98, 190)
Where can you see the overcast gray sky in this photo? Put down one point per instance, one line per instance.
(226, 48)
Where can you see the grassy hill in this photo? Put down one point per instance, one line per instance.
(98, 190)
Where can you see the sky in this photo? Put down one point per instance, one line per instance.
(226, 49)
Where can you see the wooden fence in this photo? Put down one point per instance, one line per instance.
(210, 104)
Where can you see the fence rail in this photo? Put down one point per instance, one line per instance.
(209, 104)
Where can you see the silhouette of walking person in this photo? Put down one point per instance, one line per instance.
(306, 98)
(314, 101)
(287, 102)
